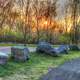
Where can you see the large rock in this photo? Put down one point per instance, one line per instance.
(20, 53)
(74, 48)
(44, 47)
(3, 58)
(68, 71)
(62, 49)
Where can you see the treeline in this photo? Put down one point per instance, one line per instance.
(30, 21)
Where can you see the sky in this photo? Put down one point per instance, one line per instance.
(61, 7)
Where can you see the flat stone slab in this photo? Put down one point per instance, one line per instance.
(7, 50)
(68, 71)
(3, 58)
(32, 49)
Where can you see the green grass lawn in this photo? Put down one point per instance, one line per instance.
(7, 44)
(35, 67)
(11, 44)
(29, 45)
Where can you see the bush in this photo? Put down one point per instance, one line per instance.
(74, 48)
(65, 38)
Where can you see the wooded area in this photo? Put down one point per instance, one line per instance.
(31, 21)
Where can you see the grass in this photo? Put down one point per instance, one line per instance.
(7, 44)
(30, 45)
(11, 44)
(35, 67)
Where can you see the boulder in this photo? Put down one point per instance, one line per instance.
(3, 58)
(45, 47)
(74, 48)
(20, 53)
(68, 71)
(62, 49)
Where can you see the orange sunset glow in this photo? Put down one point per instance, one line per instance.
(43, 23)
(39, 19)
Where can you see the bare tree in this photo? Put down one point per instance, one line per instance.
(74, 8)
(24, 6)
(36, 9)
(5, 7)
(51, 15)
(66, 16)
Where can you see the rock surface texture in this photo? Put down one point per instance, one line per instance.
(44, 47)
(62, 49)
(3, 58)
(69, 71)
(74, 48)
(20, 53)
